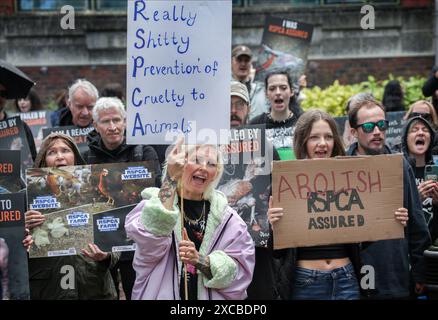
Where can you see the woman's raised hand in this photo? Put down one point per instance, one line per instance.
(176, 161)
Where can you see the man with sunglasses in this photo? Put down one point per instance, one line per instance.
(390, 259)
(4, 116)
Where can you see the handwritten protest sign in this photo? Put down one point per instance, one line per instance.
(178, 69)
(343, 200)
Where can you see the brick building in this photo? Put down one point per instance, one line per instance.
(402, 42)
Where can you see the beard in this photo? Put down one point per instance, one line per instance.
(374, 152)
(236, 118)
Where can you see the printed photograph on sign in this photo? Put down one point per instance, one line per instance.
(71, 196)
(10, 175)
(14, 278)
(13, 137)
(37, 121)
(246, 180)
(284, 47)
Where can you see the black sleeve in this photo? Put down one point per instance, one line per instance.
(30, 140)
(260, 119)
(161, 149)
(416, 232)
(149, 153)
(431, 84)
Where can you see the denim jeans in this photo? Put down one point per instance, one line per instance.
(336, 284)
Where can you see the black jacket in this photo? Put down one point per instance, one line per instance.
(62, 118)
(431, 84)
(98, 153)
(392, 259)
(433, 223)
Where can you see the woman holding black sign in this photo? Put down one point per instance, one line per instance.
(328, 272)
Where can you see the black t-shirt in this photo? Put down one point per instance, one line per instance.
(195, 222)
(279, 133)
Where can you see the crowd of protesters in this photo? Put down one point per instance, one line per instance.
(213, 256)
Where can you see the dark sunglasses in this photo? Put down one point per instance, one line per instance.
(368, 127)
(425, 116)
(3, 93)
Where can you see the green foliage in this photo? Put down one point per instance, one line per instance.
(51, 105)
(334, 98)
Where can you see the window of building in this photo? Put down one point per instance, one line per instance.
(317, 2)
(98, 5)
(50, 5)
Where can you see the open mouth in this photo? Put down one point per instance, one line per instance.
(199, 179)
(420, 142)
(278, 101)
(321, 154)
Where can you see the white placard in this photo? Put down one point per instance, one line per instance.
(178, 70)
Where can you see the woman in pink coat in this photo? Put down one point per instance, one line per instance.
(215, 249)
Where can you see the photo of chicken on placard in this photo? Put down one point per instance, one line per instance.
(71, 196)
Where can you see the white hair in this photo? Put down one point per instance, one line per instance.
(106, 103)
(85, 85)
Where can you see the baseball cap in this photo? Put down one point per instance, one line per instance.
(239, 89)
(241, 50)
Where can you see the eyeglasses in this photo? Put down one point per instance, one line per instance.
(368, 127)
(3, 93)
(239, 105)
(425, 116)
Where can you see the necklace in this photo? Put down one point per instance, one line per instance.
(194, 222)
(289, 116)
